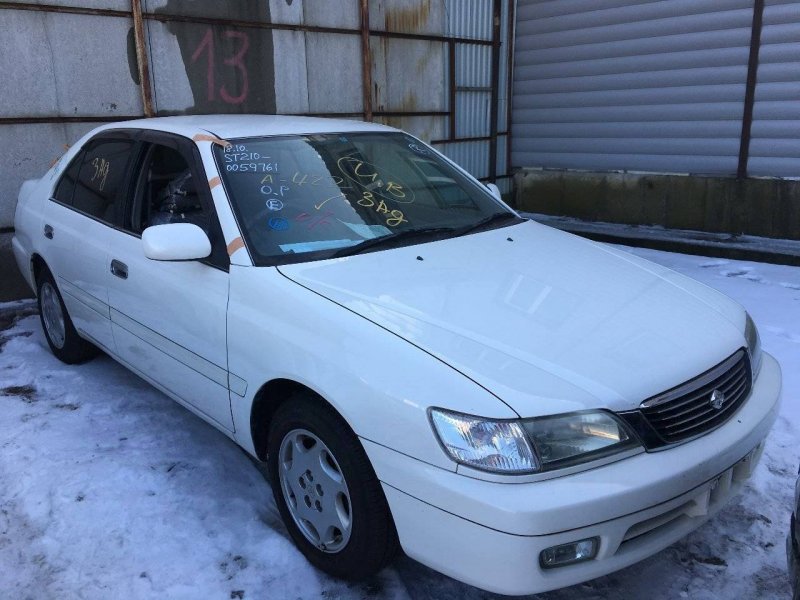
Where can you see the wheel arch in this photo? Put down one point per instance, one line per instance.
(38, 266)
(267, 400)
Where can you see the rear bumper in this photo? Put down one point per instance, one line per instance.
(490, 534)
(23, 258)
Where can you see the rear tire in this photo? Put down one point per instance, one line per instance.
(63, 339)
(327, 492)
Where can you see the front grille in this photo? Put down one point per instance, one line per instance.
(687, 411)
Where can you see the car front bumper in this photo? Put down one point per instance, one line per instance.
(490, 535)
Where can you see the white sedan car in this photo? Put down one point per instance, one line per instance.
(421, 368)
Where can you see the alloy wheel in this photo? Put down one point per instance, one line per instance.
(53, 315)
(315, 490)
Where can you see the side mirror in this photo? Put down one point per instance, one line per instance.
(175, 241)
(495, 191)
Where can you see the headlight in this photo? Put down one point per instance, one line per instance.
(498, 446)
(530, 445)
(753, 345)
(566, 440)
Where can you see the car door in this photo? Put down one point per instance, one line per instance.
(85, 206)
(169, 318)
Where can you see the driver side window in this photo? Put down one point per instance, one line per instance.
(167, 192)
(169, 189)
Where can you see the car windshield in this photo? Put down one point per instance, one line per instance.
(308, 197)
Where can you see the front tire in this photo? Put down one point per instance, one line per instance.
(327, 492)
(63, 339)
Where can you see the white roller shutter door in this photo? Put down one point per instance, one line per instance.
(645, 86)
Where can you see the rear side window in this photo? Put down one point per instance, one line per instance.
(66, 185)
(98, 190)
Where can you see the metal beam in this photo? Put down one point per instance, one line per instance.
(115, 118)
(141, 58)
(451, 85)
(493, 103)
(750, 89)
(509, 80)
(477, 138)
(411, 113)
(72, 10)
(57, 119)
(366, 61)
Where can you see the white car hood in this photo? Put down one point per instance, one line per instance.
(546, 321)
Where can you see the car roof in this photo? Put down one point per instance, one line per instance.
(239, 126)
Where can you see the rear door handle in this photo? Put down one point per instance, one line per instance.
(48, 232)
(120, 269)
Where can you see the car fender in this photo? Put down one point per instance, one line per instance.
(381, 384)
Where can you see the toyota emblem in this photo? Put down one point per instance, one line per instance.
(717, 399)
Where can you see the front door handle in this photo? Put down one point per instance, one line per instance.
(48, 232)
(120, 269)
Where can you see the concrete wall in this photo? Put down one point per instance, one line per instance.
(762, 207)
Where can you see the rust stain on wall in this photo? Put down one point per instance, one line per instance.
(408, 20)
(409, 102)
(424, 60)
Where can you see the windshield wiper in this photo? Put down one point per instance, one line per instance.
(393, 238)
(389, 240)
(490, 220)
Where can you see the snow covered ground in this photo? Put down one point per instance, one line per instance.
(110, 490)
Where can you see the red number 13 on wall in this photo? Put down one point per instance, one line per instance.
(236, 62)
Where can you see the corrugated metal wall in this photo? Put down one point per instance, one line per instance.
(643, 86)
(472, 19)
(775, 143)
(74, 66)
(69, 65)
